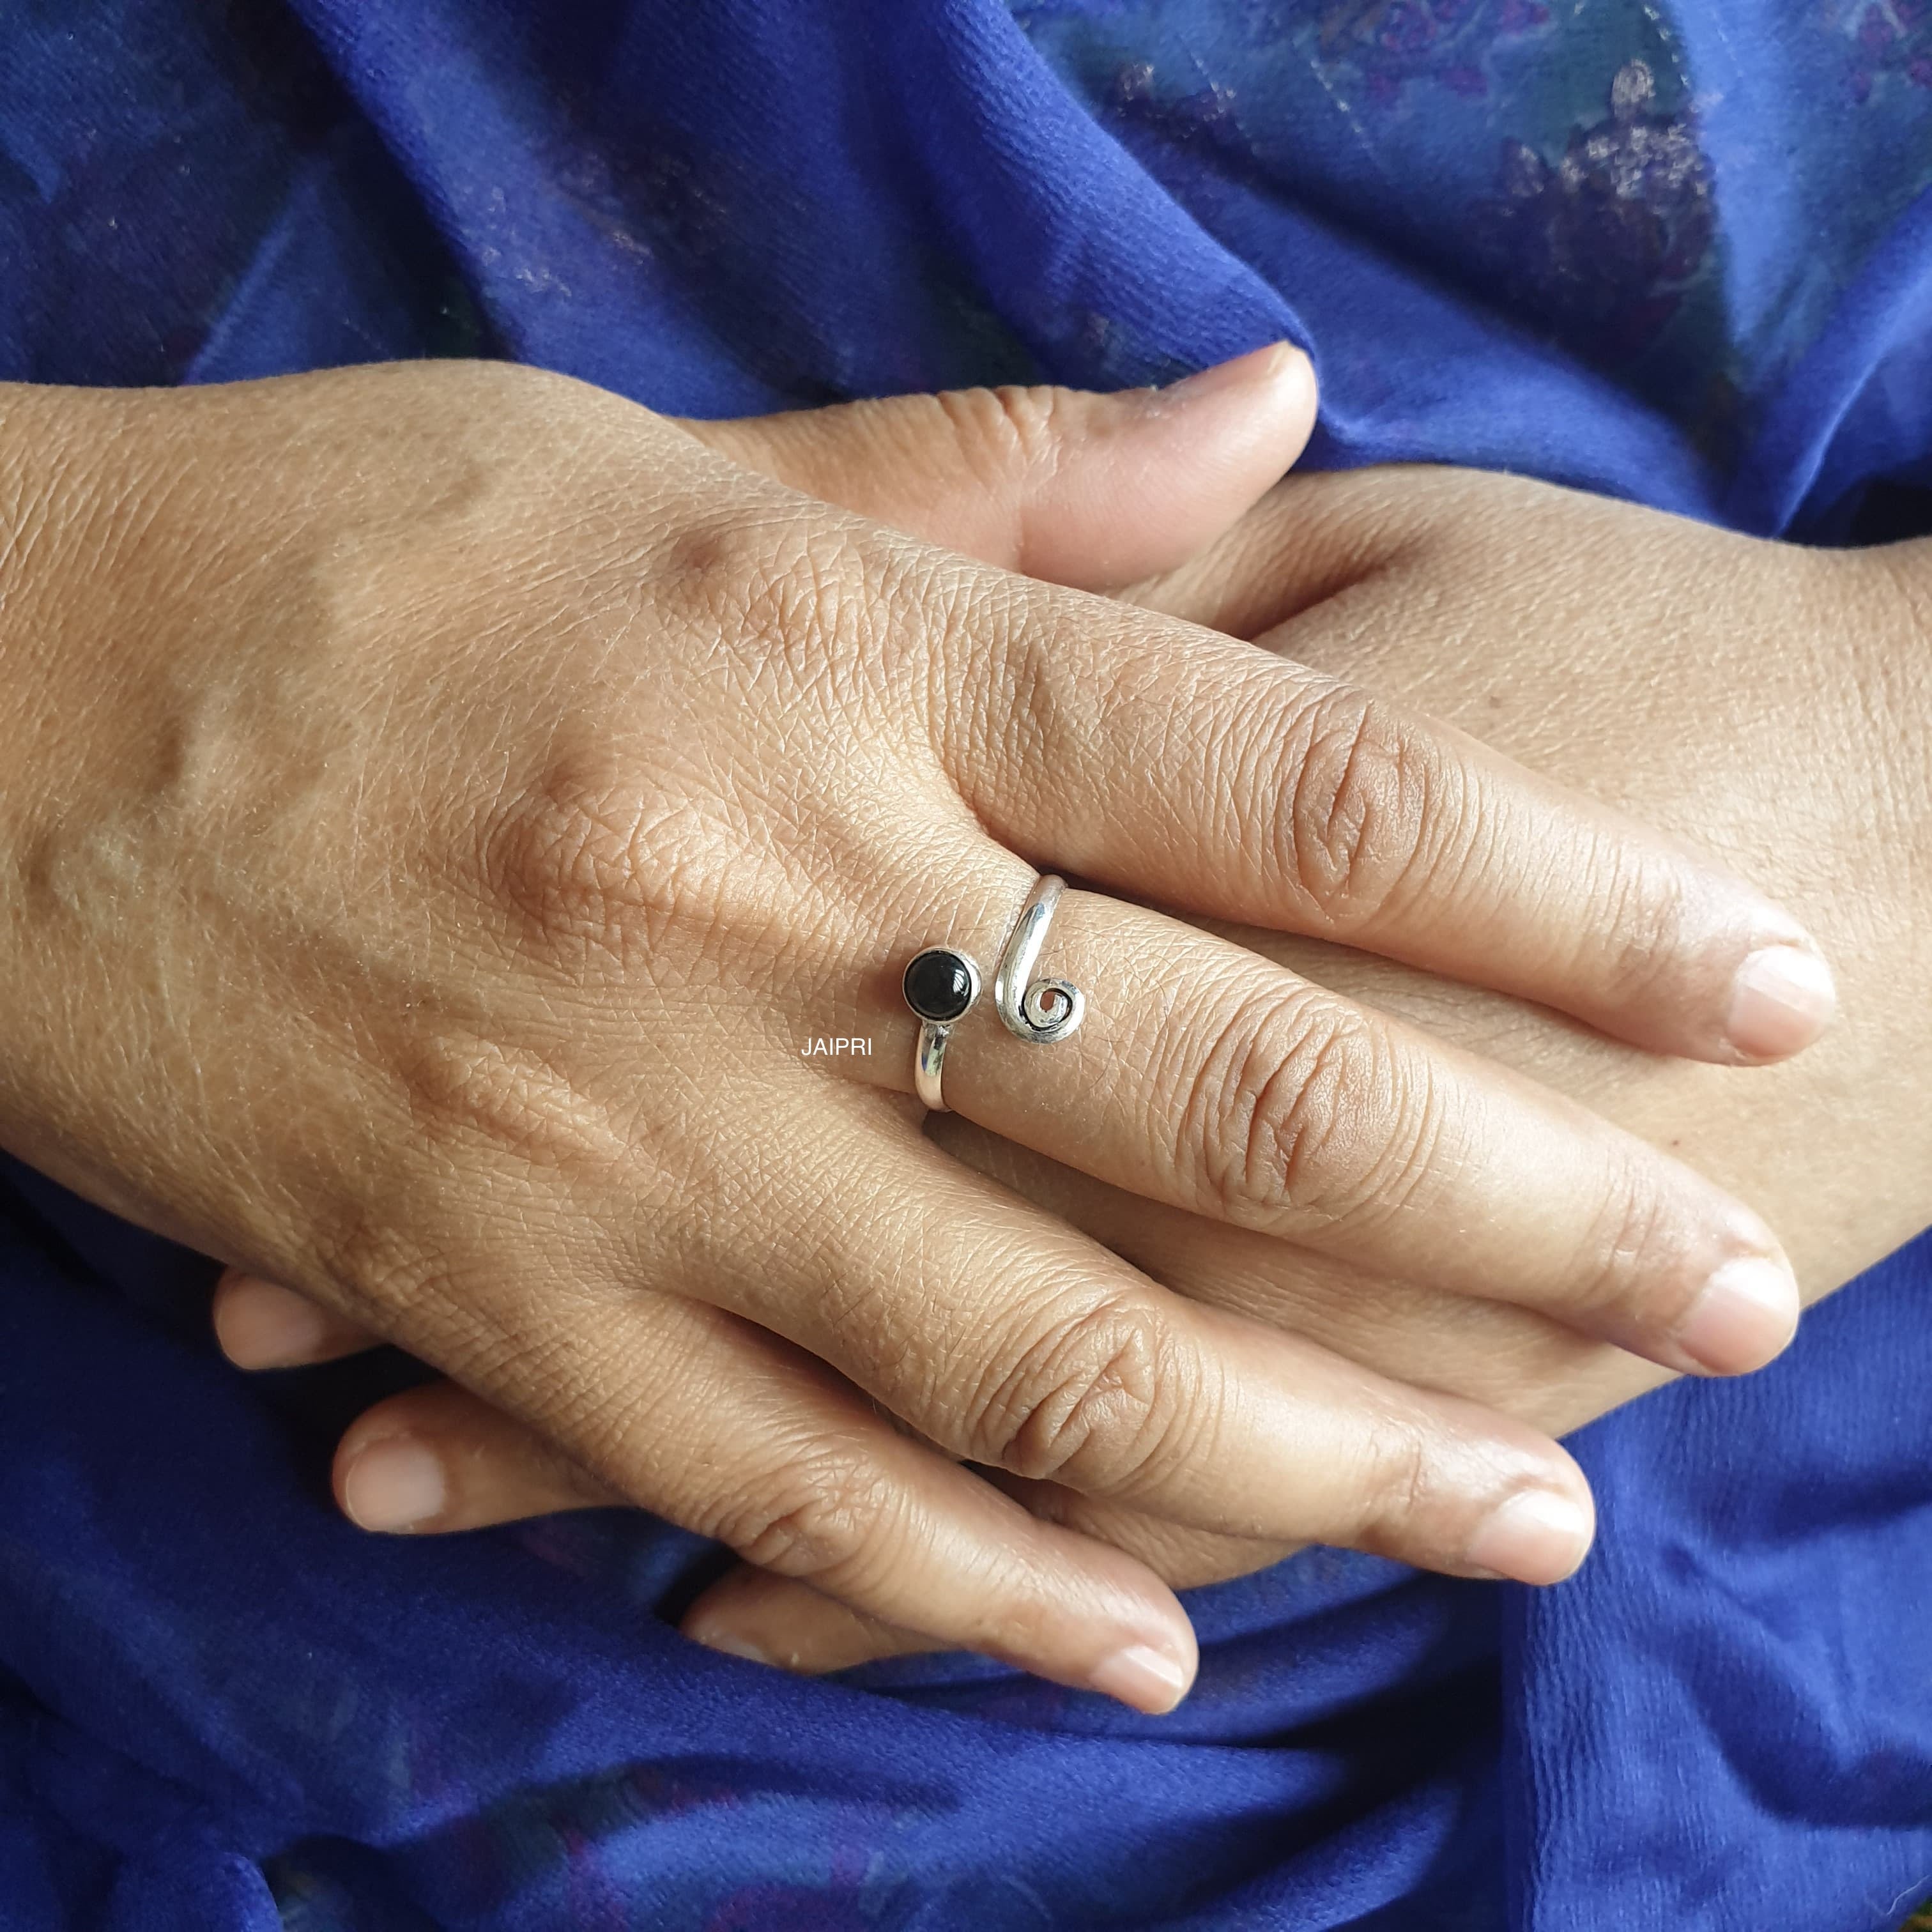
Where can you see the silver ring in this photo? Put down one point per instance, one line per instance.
(941, 984)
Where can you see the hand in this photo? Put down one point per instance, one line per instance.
(1770, 702)
(447, 796)
(483, 1467)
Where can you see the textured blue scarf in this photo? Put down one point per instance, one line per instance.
(1680, 253)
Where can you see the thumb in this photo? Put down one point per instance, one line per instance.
(1091, 490)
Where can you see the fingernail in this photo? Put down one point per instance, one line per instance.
(265, 1326)
(1148, 1679)
(1536, 1536)
(1745, 1317)
(1258, 366)
(1781, 1000)
(732, 1646)
(395, 1484)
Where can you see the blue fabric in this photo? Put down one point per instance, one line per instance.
(1678, 253)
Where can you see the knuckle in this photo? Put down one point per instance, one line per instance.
(1398, 1485)
(377, 1273)
(788, 601)
(1306, 1107)
(812, 602)
(1366, 812)
(467, 1089)
(1088, 1401)
(1636, 1227)
(584, 858)
(822, 1520)
(1646, 916)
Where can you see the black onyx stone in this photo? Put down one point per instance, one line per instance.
(939, 985)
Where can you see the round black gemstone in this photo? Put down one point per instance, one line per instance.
(939, 985)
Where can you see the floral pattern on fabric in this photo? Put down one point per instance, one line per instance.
(1546, 163)
(1889, 39)
(1552, 165)
(1601, 242)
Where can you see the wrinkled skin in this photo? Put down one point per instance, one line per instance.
(442, 798)
(1773, 703)
(1762, 701)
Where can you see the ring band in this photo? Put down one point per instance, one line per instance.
(941, 984)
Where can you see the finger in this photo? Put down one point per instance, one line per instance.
(802, 1631)
(438, 1458)
(260, 1325)
(1007, 1339)
(1497, 1354)
(1191, 769)
(1210, 1079)
(676, 1408)
(1064, 484)
(798, 1629)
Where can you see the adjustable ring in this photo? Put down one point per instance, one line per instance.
(942, 983)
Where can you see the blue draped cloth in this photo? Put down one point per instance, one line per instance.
(1681, 253)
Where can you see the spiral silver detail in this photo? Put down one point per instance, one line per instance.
(1039, 1010)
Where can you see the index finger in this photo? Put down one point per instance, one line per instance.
(1184, 766)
